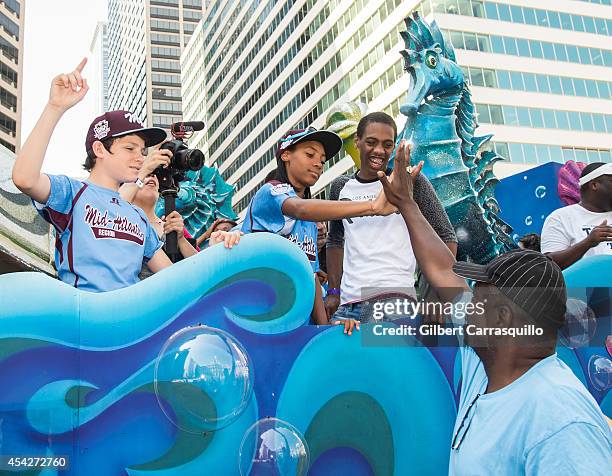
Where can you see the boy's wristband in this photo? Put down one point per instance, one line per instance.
(139, 183)
(333, 291)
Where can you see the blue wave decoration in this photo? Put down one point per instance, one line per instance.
(78, 381)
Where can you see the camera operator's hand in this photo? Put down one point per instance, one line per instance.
(174, 222)
(156, 158)
(68, 89)
(230, 238)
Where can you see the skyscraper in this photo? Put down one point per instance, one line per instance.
(146, 38)
(12, 19)
(538, 75)
(99, 82)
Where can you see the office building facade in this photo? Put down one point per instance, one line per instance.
(539, 74)
(99, 53)
(12, 17)
(146, 38)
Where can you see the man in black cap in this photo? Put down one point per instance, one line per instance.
(521, 409)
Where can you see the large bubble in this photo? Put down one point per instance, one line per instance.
(580, 324)
(600, 372)
(203, 379)
(273, 447)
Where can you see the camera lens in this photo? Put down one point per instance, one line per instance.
(195, 159)
(189, 159)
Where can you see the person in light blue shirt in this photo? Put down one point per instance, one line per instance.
(521, 410)
(102, 240)
(284, 205)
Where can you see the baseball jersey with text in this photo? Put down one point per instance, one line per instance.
(265, 213)
(101, 240)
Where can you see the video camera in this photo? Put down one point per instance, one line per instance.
(183, 159)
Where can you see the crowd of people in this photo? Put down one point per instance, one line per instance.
(521, 410)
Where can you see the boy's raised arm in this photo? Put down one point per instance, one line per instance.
(66, 91)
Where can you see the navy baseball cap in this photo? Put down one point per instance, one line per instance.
(122, 123)
(332, 142)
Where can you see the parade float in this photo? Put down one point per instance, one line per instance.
(211, 366)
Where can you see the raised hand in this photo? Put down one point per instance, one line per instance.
(68, 89)
(399, 190)
(381, 206)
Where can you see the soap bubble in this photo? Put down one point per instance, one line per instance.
(540, 191)
(528, 220)
(580, 324)
(203, 379)
(273, 447)
(600, 372)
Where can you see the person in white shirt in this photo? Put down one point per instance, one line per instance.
(584, 229)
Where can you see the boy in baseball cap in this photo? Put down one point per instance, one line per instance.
(101, 240)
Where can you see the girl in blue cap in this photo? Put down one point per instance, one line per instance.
(284, 205)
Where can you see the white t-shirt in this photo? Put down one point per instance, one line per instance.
(569, 225)
(377, 250)
(378, 256)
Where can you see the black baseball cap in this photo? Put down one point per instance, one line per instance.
(531, 280)
(332, 142)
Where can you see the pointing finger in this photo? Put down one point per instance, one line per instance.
(81, 65)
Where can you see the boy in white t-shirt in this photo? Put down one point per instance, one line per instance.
(583, 229)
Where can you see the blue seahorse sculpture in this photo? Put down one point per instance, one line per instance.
(441, 122)
(203, 197)
(440, 125)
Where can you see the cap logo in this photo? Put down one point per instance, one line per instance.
(101, 129)
(132, 118)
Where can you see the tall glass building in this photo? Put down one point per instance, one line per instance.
(12, 18)
(145, 41)
(99, 82)
(540, 75)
